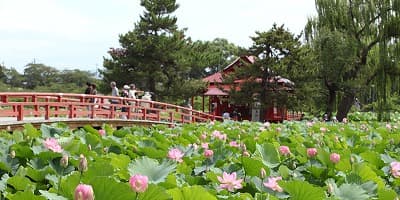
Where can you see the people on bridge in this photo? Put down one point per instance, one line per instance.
(88, 89)
(226, 115)
(125, 93)
(93, 92)
(132, 91)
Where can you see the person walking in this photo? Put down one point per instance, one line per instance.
(114, 93)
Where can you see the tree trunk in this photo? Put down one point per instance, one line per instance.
(331, 103)
(345, 105)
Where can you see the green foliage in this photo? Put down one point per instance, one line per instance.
(106, 188)
(152, 169)
(364, 171)
(302, 190)
(193, 192)
(268, 154)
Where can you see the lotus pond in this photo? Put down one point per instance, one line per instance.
(292, 160)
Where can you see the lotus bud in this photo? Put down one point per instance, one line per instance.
(84, 192)
(12, 154)
(330, 188)
(352, 159)
(64, 161)
(391, 141)
(83, 164)
(263, 173)
(208, 153)
(335, 158)
(312, 152)
(89, 147)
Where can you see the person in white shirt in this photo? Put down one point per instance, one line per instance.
(132, 91)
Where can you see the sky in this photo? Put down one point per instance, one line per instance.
(76, 34)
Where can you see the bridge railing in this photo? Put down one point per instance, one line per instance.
(73, 106)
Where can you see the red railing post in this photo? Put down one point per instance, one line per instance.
(36, 107)
(59, 99)
(20, 109)
(129, 112)
(112, 111)
(92, 115)
(171, 117)
(47, 112)
(4, 98)
(144, 111)
(71, 111)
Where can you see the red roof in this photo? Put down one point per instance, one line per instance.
(249, 59)
(214, 78)
(215, 92)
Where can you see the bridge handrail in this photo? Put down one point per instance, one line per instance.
(53, 105)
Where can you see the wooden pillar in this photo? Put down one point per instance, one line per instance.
(202, 102)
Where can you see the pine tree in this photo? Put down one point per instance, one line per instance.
(152, 55)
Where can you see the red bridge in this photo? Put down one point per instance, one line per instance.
(17, 109)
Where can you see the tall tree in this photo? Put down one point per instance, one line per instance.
(152, 53)
(209, 57)
(276, 53)
(39, 75)
(361, 22)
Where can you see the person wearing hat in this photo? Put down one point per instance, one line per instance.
(125, 94)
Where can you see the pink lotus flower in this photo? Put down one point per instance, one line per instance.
(309, 124)
(84, 192)
(335, 158)
(323, 129)
(395, 169)
(208, 153)
(284, 150)
(139, 183)
(229, 181)
(272, 184)
(344, 120)
(311, 152)
(388, 126)
(175, 154)
(216, 133)
(233, 144)
(102, 132)
(52, 144)
(204, 145)
(203, 136)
